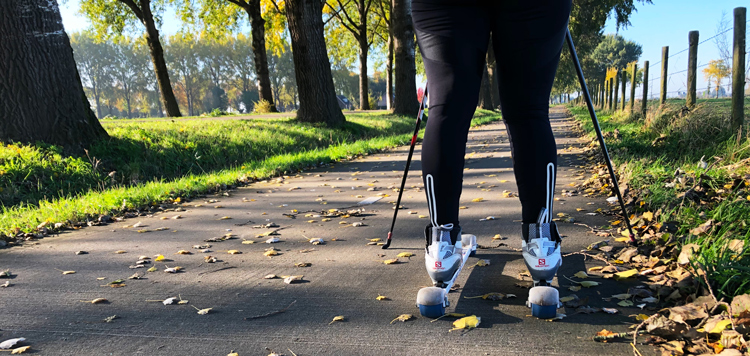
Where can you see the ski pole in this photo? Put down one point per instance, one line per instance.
(595, 121)
(406, 169)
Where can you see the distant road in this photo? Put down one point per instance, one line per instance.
(229, 117)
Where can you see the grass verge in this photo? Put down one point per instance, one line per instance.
(689, 171)
(165, 161)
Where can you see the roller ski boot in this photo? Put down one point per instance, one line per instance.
(541, 253)
(446, 253)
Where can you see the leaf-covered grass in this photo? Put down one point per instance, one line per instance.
(660, 159)
(161, 160)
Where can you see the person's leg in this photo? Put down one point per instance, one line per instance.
(453, 38)
(527, 38)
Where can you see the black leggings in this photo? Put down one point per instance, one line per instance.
(453, 35)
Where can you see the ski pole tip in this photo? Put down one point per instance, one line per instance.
(388, 241)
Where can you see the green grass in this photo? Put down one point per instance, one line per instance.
(649, 169)
(158, 161)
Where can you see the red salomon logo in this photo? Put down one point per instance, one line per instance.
(542, 262)
(438, 264)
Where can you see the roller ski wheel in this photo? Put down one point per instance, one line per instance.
(446, 254)
(543, 301)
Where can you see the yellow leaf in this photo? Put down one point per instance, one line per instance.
(336, 318)
(69, 272)
(625, 303)
(597, 268)
(234, 252)
(224, 218)
(405, 254)
(177, 200)
(466, 207)
(120, 251)
(720, 326)
(616, 222)
(325, 220)
(391, 261)
(232, 353)
(468, 322)
(375, 240)
(574, 288)
(477, 200)
(648, 216)
(183, 252)
(248, 242)
(402, 317)
(381, 297)
(482, 263)
(641, 317)
(623, 239)
(152, 269)
(503, 181)
(626, 274)
(203, 311)
(497, 237)
(581, 274)
(19, 350)
(159, 258)
(567, 299)
(589, 284)
(423, 216)
(270, 253)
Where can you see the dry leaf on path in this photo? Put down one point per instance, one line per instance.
(391, 261)
(19, 350)
(292, 279)
(202, 311)
(403, 318)
(494, 296)
(382, 297)
(183, 252)
(7, 344)
(337, 318)
(581, 274)
(405, 254)
(468, 323)
(234, 252)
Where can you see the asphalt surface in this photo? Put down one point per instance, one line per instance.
(345, 277)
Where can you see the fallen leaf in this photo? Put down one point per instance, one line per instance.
(391, 261)
(589, 284)
(625, 303)
(183, 252)
(292, 279)
(568, 298)
(337, 318)
(468, 323)
(96, 301)
(169, 301)
(574, 288)
(232, 353)
(68, 272)
(626, 274)
(159, 258)
(494, 296)
(270, 253)
(248, 242)
(302, 264)
(720, 326)
(403, 318)
(622, 296)
(272, 240)
(581, 274)
(7, 344)
(381, 297)
(482, 263)
(152, 269)
(234, 252)
(19, 350)
(203, 311)
(120, 252)
(610, 310)
(270, 276)
(477, 200)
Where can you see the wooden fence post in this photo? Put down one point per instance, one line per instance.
(611, 84)
(632, 87)
(644, 103)
(738, 69)
(691, 70)
(624, 80)
(664, 58)
(614, 89)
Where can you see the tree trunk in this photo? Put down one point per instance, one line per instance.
(402, 31)
(364, 92)
(492, 73)
(312, 69)
(485, 93)
(160, 66)
(389, 75)
(258, 31)
(95, 89)
(41, 95)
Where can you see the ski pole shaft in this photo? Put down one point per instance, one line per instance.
(595, 121)
(406, 169)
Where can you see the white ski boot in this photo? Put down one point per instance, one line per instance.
(444, 259)
(541, 252)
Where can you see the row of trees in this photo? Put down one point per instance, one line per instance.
(306, 25)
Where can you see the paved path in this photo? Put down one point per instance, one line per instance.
(346, 275)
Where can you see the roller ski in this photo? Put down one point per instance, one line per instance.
(446, 254)
(541, 253)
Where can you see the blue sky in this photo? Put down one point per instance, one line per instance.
(664, 23)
